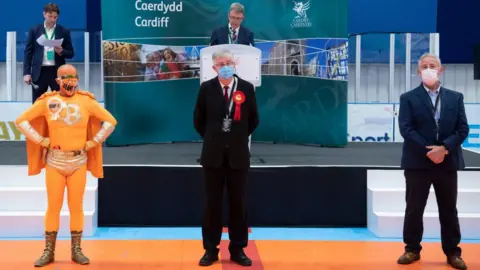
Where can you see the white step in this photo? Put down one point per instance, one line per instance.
(31, 224)
(27, 198)
(390, 225)
(23, 202)
(393, 200)
(17, 176)
(396, 179)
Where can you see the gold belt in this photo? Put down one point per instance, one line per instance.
(66, 161)
(59, 153)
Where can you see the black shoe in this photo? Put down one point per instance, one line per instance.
(408, 258)
(208, 258)
(456, 262)
(240, 258)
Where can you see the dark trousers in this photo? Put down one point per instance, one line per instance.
(418, 184)
(236, 183)
(46, 79)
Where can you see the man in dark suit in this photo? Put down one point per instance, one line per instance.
(433, 123)
(40, 63)
(225, 116)
(233, 33)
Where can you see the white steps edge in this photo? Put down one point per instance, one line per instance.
(31, 224)
(33, 181)
(393, 200)
(36, 213)
(426, 215)
(44, 189)
(396, 179)
(17, 176)
(460, 190)
(399, 173)
(35, 199)
(390, 225)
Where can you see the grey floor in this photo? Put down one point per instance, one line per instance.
(354, 154)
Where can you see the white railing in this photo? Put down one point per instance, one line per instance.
(16, 90)
(368, 82)
(11, 68)
(86, 66)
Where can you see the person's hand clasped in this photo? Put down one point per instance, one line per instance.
(436, 153)
(90, 144)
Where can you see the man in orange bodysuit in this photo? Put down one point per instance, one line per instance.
(64, 134)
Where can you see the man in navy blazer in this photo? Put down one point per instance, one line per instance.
(433, 123)
(233, 33)
(40, 63)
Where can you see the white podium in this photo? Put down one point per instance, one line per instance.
(248, 62)
(248, 65)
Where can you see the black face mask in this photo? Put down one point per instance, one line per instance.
(69, 82)
(68, 87)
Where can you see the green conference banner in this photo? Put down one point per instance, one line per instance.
(151, 61)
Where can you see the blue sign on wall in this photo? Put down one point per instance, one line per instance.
(376, 19)
(392, 16)
(473, 137)
(458, 28)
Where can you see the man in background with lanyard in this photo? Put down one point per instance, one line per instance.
(233, 33)
(433, 123)
(40, 64)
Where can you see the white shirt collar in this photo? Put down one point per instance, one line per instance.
(45, 25)
(230, 28)
(437, 91)
(230, 85)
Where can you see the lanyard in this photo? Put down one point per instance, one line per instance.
(434, 110)
(228, 107)
(46, 35)
(435, 107)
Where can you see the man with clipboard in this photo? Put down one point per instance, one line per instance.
(233, 33)
(433, 123)
(225, 115)
(40, 64)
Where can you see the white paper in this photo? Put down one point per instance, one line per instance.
(43, 41)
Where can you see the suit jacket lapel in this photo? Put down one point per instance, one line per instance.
(217, 87)
(423, 95)
(226, 34)
(240, 34)
(41, 30)
(443, 102)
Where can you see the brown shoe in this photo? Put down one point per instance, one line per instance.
(77, 254)
(456, 262)
(408, 258)
(48, 255)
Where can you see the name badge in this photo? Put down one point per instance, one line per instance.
(227, 125)
(50, 54)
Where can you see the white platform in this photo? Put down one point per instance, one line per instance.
(23, 202)
(386, 205)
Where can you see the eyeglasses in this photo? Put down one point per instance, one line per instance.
(73, 76)
(224, 64)
(236, 18)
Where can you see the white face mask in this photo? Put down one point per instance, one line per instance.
(429, 76)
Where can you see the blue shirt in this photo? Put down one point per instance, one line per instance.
(433, 97)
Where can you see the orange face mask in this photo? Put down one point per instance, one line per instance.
(68, 84)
